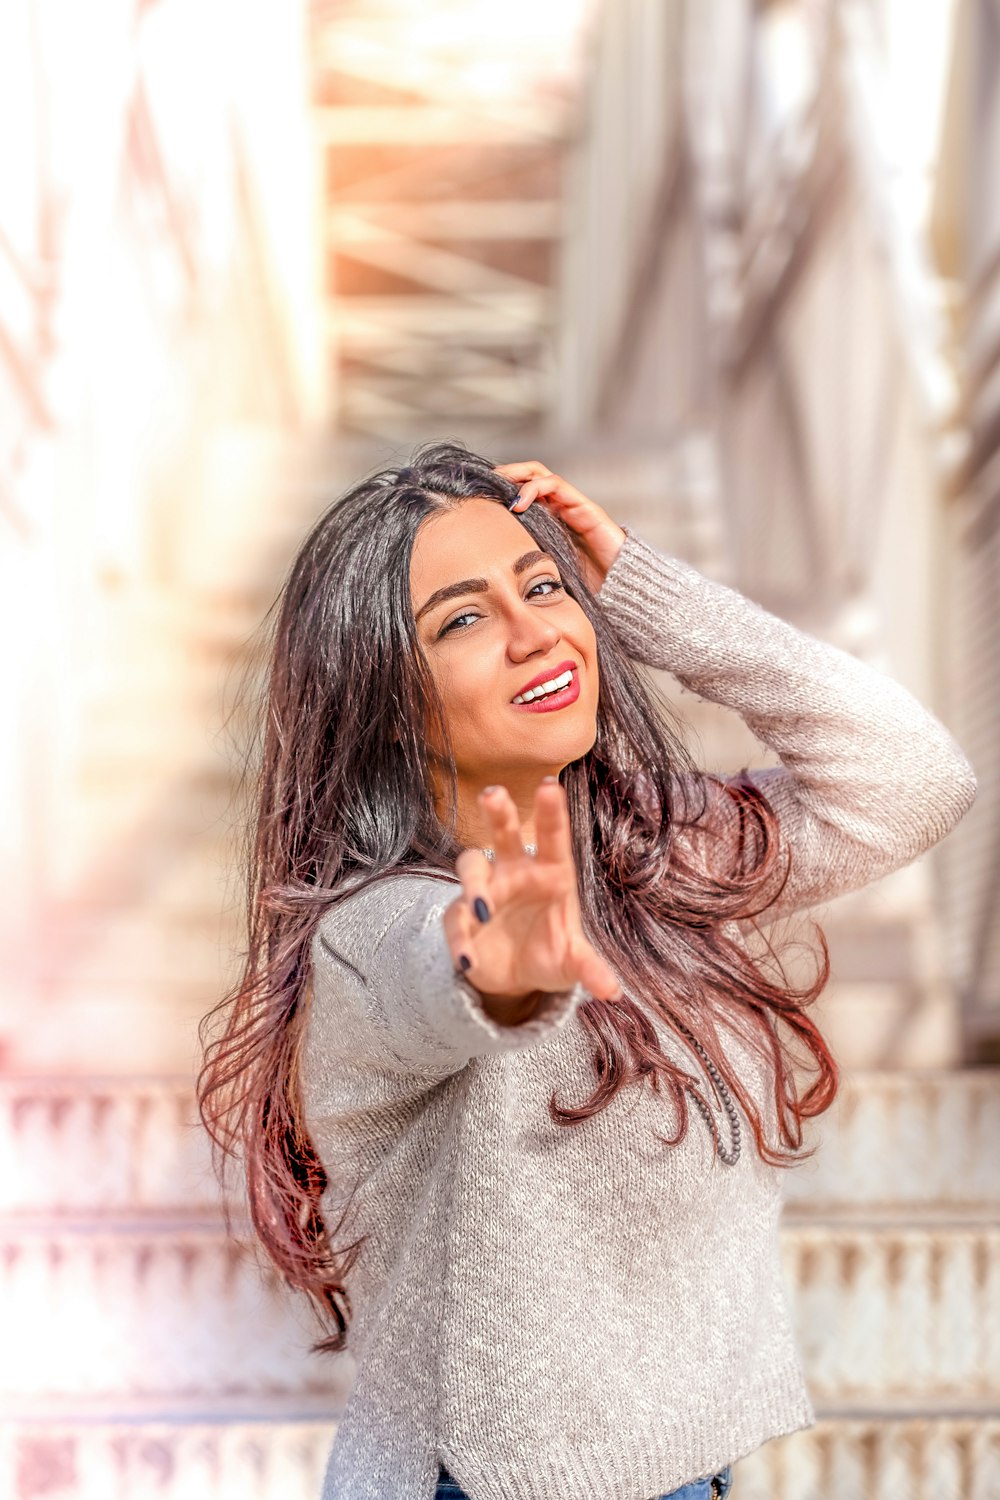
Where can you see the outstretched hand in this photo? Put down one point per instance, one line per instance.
(531, 939)
(598, 538)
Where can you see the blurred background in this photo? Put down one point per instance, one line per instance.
(731, 267)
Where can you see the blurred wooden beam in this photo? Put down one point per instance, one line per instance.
(438, 124)
(488, 318)
(355, 221)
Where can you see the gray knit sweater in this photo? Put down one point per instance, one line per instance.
(581, 1313)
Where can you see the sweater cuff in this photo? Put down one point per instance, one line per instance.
(638, 589)
(551, 1012)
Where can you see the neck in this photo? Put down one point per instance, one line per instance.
(473, 829)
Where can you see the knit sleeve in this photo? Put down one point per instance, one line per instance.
(868, 780)
(385, 990)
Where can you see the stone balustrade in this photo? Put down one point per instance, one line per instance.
(948, 1458)
(892, 1141)
(909, 1315)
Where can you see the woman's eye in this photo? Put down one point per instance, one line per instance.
(544, 583)
(466, 615)
(552, 583)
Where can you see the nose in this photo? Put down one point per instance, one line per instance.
(529, 631)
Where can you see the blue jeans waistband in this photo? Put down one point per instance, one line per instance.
(697, 1489)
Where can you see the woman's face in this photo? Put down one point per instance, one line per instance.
(492, 618)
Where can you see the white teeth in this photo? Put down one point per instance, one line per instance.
(552, 686)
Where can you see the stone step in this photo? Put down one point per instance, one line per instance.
(157, 625)
(140, 668)
(103, 1145)
(186, 1460)
(125, 945)
(183, 685)
(198, 654)
(154, 827)
(175, 770)
(280, 1458)
(111, 1019)
(897, 1139)
(876, 950)
(182, 891)
(900, 1024)
(904, 1315)
(176, 1311)
(908, 1314)
(193, 889)
(75, 1029)
(185, 804)
(892, 1144)
(160, 735)
(885, 1457)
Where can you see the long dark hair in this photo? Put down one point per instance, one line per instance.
(341, 786)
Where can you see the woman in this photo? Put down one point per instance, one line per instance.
(501, 930)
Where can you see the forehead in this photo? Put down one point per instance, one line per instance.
(478, 537)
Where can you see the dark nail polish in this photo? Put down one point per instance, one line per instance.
(465, 961)
(481, 910)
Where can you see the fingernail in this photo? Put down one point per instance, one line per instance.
(619, 994)
(481, 910)
(550, 778)
(465, 962)
(488, 791)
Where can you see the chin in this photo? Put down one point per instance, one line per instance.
(569, 748)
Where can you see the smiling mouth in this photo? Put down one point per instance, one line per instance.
(558, 697)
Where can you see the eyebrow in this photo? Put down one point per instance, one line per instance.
(481, 585)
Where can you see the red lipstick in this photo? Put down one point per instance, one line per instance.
(546, 676)
(548, 702)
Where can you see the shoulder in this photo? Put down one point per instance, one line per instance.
(365, 909)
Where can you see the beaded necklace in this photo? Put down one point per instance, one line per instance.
(729, 1157)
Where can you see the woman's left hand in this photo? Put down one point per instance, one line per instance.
(598, 538)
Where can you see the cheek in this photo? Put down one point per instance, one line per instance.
(587, 640)
(468, 697)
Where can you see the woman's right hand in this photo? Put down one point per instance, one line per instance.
(598, 538)
(532, 939)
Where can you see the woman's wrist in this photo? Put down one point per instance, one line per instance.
(605, 546)
(510, 1010)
